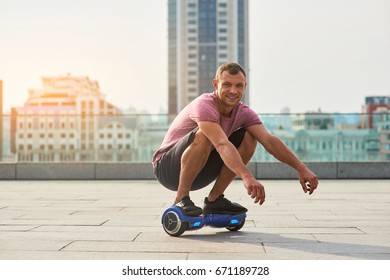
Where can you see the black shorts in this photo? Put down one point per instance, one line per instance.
(168, 166)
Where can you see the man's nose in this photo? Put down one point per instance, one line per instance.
(234, 89)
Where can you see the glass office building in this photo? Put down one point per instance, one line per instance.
(203, 34)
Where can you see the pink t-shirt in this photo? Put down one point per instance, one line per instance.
(205, 108)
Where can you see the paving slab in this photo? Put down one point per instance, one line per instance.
(113, 219)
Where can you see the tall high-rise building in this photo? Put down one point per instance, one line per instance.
(203, 34)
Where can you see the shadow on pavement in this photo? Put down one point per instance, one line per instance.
(282, 245)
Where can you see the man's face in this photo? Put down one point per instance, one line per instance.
(230, 88)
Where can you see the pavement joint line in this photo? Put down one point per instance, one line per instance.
(136, 236)
(67, 245)
(362, 231)
(315, 238)
(103, 223)
(263, 246)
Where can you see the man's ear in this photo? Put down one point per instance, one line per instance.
(215, 84)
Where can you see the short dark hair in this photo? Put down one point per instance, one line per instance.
(232, 68)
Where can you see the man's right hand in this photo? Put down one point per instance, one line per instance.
(255, 189)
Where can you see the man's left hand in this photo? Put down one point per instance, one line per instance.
(308, 180)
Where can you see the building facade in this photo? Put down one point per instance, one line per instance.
(373, 104)
(1, 120)
(68, 120)
(381, 122)
(323, 137)
(203, 34)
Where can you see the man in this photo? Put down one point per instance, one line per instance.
(213, 138)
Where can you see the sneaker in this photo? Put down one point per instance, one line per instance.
(222, 206)
(188, 207)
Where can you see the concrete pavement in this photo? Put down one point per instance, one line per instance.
(50, 220)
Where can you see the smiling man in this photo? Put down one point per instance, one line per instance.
(212, 139)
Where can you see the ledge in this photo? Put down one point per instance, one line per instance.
(143, 171)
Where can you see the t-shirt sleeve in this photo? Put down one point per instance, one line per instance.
(252, 118)
(204, 111)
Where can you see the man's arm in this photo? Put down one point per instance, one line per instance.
(232, 159)
(280, 151)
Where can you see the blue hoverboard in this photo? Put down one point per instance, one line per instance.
(175, 223)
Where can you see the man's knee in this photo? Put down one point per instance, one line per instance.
(202, 141)
(249, 143)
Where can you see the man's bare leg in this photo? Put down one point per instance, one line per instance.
(193, 160)
(226, 176)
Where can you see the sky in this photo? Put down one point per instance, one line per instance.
(307, 55)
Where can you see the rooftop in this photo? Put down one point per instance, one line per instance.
(121, 219)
